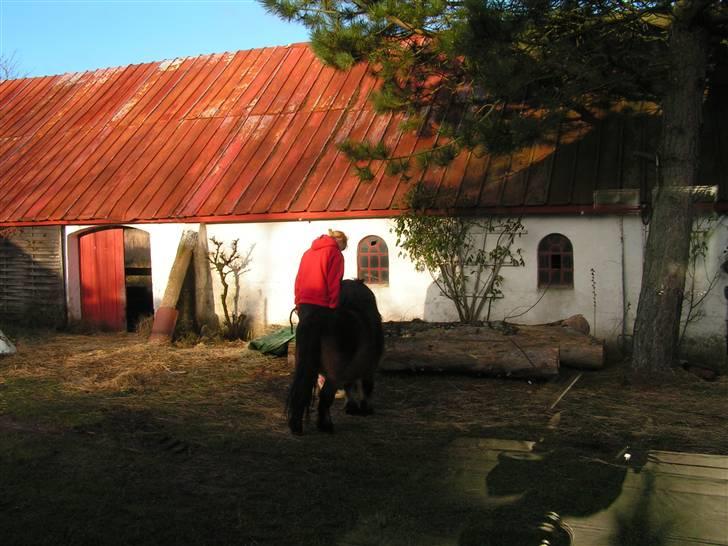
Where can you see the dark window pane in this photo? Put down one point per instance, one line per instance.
(385, 261)
(363, 261)
(568, 278)
(543, 260)
(374, 261)
(568, 261)
(385, 275)
(556, 261)
(543, 278)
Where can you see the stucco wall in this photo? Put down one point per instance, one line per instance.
(607, 272)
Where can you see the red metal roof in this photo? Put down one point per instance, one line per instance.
(252, 136)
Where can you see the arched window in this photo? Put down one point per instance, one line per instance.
(372, 258)
(555, 262)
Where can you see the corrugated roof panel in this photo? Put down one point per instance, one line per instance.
(324, 126)
(35, 170)
(329, 93)
(147, 150)
(284, 146)
(350, 90)
(359, 197)
(305, 86)
(24, 105)
(282, 166)
(585, 169)
(369, 127)
(9, 90)
(609, 169)
(633, 163)
(473, 178)
(172, 177)
(161, 92)
(66, 147)
(217, 77)
(514, 192)
(130, 182)
(314, 177)
(322, 83)
(247, 177)
(227, 172)
(56, 108)
(43, 108)
(447, 193)
(562, 171)
(92, 146)
(492, 190)
(210, 180)
(57, 140)
(209, 104)
(8, 120)
(282, 84)
(232, 93)
(185, 93)
(191, 171)
(539, 174)
(131, 109)
(159, 178)
(260, 76)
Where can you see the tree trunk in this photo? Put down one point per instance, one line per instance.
(657, 323)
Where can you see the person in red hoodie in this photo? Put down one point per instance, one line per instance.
(316, 291)
(318, 282)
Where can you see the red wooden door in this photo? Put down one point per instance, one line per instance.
(103, 292)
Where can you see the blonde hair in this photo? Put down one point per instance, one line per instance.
(339, 236)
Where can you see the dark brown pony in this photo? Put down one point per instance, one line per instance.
(344, 346)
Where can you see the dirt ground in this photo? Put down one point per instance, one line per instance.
(106, 439)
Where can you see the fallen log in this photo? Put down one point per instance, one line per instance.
(473, 352)
(577, 348)
(496, 349)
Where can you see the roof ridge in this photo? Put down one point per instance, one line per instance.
(160, 62)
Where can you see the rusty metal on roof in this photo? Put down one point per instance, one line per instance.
(253, 136)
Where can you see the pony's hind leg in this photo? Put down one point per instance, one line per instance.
(353, 397)
(326, 399)
(367, 387)
(358, 397)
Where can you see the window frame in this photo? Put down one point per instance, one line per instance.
(363, 272)
(552, 248)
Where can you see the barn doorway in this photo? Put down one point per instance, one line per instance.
(138, 277)
(115, 274)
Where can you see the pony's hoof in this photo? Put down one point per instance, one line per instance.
(296, 427)
(326, 427)
(352, 408)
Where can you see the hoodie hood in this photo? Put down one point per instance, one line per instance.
(323, 242)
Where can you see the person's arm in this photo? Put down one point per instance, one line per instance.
(333, 278)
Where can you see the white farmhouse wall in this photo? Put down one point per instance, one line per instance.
(607, 272)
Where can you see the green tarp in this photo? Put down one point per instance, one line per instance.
(275, 343)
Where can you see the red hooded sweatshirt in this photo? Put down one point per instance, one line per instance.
(320, 273)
